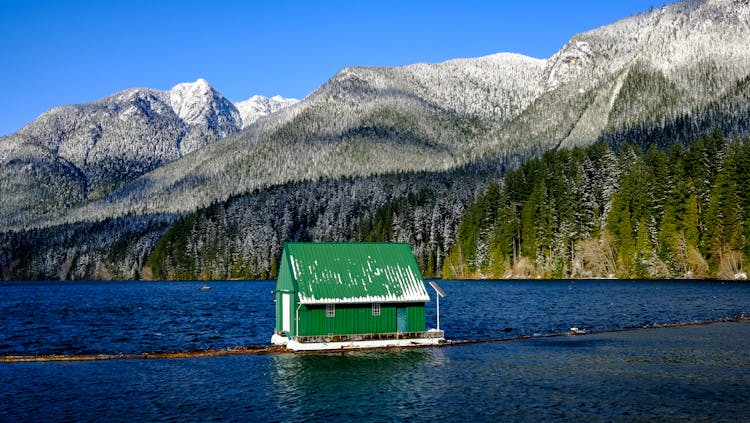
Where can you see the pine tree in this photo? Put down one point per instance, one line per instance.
(691, 221)
(668, 236)
(620, 226)
(643, 260)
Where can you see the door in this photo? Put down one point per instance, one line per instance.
(329, 326)
(402, 319)
(286, 312)
(330, 315)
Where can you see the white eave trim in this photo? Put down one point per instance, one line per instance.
(365, 300)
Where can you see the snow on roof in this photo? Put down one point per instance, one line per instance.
(331, 273)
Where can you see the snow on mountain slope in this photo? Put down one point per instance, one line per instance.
(259, 106)
(112, 140)
(673, 40)
(496, 87)
(86, 151)
(445, 107)
(670, 61)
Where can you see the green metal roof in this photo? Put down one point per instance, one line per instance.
(327, 273)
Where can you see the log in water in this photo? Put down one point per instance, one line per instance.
(266, 349)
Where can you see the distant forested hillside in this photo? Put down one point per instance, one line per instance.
(243, 236)
(596, 212)
(584, 212)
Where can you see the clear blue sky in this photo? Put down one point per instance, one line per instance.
(64, 52)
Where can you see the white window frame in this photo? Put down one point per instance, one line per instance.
(376, 309)
(330, 310)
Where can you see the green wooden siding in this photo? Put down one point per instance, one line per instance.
(280, 312)
(277, 301)
(285, 281)
(357, 319)
(416, 318)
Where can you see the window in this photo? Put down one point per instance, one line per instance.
(376, 309)
(330, 310)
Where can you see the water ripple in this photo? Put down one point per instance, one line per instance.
(135, 317)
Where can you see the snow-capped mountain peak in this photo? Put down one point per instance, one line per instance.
(199, 103)
(259, 106)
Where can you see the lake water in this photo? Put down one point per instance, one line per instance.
(694, 373)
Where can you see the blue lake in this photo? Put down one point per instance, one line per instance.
(696, 372)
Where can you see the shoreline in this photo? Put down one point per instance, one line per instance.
(267, 349)
(461, 279)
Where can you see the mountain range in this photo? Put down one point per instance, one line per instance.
(654, 78)
(75, 154)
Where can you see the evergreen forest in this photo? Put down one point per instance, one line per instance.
(600, 212)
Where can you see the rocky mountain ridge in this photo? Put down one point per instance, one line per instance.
(259, 106)
(77, 153)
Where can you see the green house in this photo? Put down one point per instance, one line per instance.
(343, 292)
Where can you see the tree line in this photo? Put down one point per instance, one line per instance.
(613, 212)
